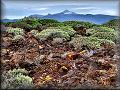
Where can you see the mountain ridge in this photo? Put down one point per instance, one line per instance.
(67, 15)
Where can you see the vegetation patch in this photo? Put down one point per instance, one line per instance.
(103, 33)
(63, 32)
(16, 79)
(91, 42)
(15, 31)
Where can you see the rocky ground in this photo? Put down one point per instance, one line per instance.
(56, 64)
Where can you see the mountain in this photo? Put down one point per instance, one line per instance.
(36, 16)
(67, 15)
(113, 24)
(66, 12)
(9, 20)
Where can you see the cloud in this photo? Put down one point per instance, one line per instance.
(13, 17)
(96, 10)
(83, 8)
(112, 12)
(20, 8)
(41, 9)
(105, 11)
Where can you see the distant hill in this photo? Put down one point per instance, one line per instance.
(71, 16)
(9, 20)
(115, 23)
(36, 16)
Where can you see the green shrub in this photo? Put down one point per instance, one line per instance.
(91, 42)
(39, 27)
(74, 23)
(58, 32)
(47, 21)
(103, 33)
(100, 29)
(22, 82)
(68, 29)
(112, 24)
(59, 24)
(106, 35)
(28, 23)
(29, 20)
(18, 37)
(15, 31)
(16, 79)
(34, 32)
(103, 29)
(53, 33)
(22, 25)
(18, 71)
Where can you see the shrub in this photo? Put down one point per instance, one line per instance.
(103, 33)
(16, 79)
(80, 29)
(59, 24)
(112, 24)
(18, 71)
(39, 27)
(29, 20)
(15, 31)
(53, 33)
(18, 37)
(47, 21)
(91, 42)
(103, 29)
(68, 29)
(22, 82)
(27, 24)
(58, 32)
(22, 25)
(100, 29)
(34, 32)
(106, 35)
(74, 23)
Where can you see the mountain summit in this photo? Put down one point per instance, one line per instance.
(67, 12)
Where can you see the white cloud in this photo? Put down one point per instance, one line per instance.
(13, 17)
(83, 8)
(41, 9)
(112, 12)
(97, 10)
(106, 12)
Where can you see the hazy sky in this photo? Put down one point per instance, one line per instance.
(13, 9)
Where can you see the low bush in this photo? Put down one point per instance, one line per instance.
(59, 32)
(18, 71)
(103, 33)
(34, 32)
(74, 23)
(106, 35)
(15, 31)
(53, 33)
(68, 29)
(115, 23)
(18, 37)
(100, 29)
(16, 79)
(91, 42)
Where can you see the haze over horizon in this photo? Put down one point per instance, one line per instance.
(19, 9)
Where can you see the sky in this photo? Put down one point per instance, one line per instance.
(16, 9)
